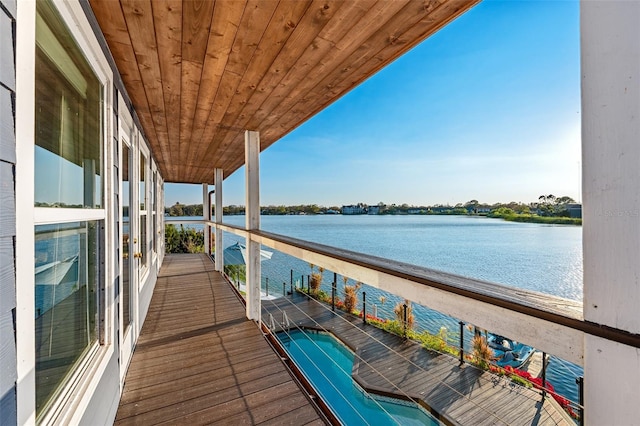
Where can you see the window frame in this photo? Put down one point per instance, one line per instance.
(154, 213)
(144, 267)
(65, 407)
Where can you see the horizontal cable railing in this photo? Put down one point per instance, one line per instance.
(517, 312)
(505, 310)
(182, 221)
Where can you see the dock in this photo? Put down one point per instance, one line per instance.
(533, 365)
(389, 365)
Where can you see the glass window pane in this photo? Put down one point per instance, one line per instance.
(143, 239)
(67, 259)
(143, 183)
(126, 291)
(154, 203)
(126, 158)
(68, 116)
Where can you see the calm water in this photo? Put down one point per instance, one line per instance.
(545, 258)
(329, 370)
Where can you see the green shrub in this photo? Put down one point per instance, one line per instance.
(183, 240)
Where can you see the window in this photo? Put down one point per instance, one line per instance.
(69, 166)
(126, 290)
(154, 209)
(68, 154)
(67, 260)
(143, 210)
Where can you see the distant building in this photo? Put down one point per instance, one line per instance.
(439, 209)
(575, 210)
(373, 210)
(353, 209)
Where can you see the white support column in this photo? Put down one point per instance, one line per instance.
(610, 60)
(217, 178)
(252, 173)
(206, 215)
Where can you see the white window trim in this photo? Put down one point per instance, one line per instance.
(154, 214)
(74, 398)
(25, 241)
(49, 216)
(143, 151)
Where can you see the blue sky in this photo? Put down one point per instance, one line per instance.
(488, 108)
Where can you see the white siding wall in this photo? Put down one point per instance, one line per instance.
(8, 372)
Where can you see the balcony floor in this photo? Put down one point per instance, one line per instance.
(200, 361)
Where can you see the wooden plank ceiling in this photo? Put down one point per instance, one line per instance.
(200, 72)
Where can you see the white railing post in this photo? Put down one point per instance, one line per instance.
(206, 215)
(610, 71)
(218, 176)
(252, 174)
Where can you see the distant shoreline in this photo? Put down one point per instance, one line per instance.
(530, 218)
(521, 218)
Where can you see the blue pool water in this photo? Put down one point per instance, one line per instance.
(327, 364)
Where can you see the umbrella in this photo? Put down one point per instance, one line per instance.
(236, 254)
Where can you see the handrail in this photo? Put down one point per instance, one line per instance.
(552, 308)
(198, 221)
(285, 320)
(272, 323)
(465, 298)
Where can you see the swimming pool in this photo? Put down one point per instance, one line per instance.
(327, 364)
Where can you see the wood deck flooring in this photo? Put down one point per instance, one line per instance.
(387, 364)
(200, 361)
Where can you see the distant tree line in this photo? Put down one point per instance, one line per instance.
(545, 206)
(196, 210)
(548, 209)
(184, 210)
